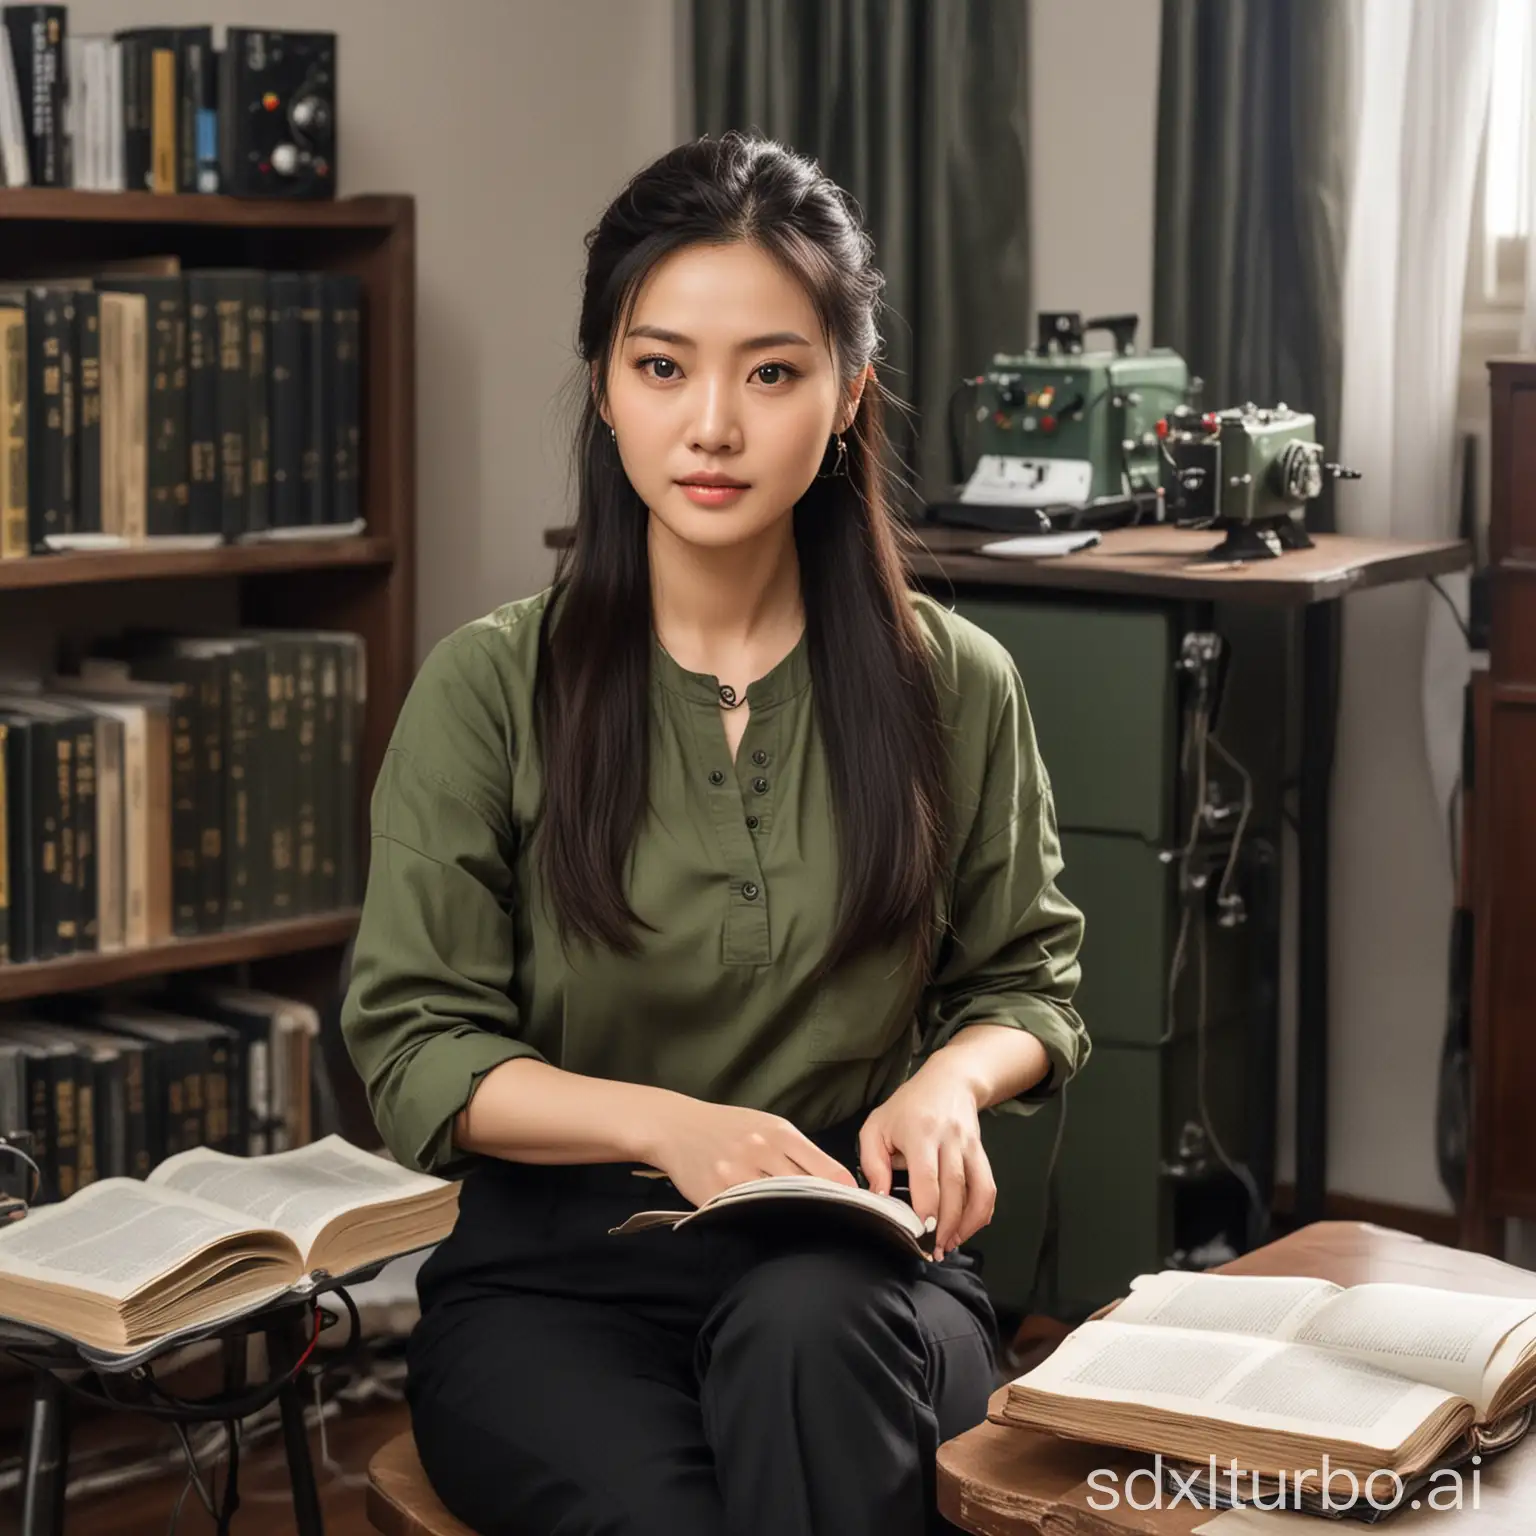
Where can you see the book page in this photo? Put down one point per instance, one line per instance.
(297, 1192)
(1445, 1338)
(811, 1187)
(1265, 1383)
(113, 1236)
(1265, 1306)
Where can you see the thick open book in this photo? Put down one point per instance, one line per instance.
(126, 1262)
(805, 1198)
(1274, 1372)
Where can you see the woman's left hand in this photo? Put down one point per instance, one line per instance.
(931, 1125)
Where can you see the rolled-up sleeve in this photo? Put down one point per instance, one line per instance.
(430, 1006)
(1011, 952)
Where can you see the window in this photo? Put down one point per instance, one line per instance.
(1504, 224)
(1502, 220)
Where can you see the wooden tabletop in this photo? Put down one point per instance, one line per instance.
(997, 1480)
(1170, 562)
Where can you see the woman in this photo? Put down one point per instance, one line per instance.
(673, 865)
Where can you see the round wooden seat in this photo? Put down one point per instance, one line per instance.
(400, 1499)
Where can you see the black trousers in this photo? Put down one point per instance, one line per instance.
(705, 1382)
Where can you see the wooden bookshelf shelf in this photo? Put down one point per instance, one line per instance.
(66, 205)
(81, 973)
(81, 568)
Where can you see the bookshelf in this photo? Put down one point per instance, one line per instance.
(362, 584)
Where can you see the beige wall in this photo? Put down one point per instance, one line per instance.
(1093, 127)
(512, 122)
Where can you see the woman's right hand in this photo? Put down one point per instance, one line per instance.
(705, 1148)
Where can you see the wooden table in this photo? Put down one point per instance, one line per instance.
(996, 1480)
(1171, 562)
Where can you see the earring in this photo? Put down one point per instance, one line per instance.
(613, 432)
(839, 462)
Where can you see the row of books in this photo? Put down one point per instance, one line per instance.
(163, 786)
(97, 1088)
(137, 108)
(219, 404)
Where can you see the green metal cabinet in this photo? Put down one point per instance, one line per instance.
(1102, 683)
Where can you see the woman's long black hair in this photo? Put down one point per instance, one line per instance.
(871, 678)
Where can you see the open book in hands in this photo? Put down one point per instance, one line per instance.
(127, 1262)
(804, 1197)
(1275, 1372)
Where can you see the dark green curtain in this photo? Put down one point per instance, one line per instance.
(919, 110)
(1254, 145)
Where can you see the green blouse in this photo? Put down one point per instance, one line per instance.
(458, 965)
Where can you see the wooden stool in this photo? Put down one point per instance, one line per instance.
(400, 1499)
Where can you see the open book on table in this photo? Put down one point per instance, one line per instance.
(804, 1198)
(126, 1262)
(1273, 1372)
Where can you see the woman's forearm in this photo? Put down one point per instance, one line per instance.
(996, 1061)
(530, 1112)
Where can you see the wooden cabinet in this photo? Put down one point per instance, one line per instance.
(1502, 1155)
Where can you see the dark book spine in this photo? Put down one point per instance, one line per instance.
(48, 510)
(88, 931)
(285, 303)
(258, 433)
(306, 778)
(194, 45)
(89, 1104)
(136, 1137)
(344, 293)
(281, 775)
(243, 720)
(20, 820)
(239, 1093)
(194, 1081)
(46, 852)
(211, 791)
(109, 1079)
(37, 35)
(138, 113)
(186, 813)
(218, 1126)
(158, 1131)
(168, 487)
(88, 426)
(315, 329)
(327, 773)
(71, 404)
(66, 1121)
(5, 846)
(233, 404)
(65, 897)
(40, 1122)
(349, 718)
(15, 412)
(205, 507)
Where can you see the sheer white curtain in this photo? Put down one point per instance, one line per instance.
(1423, 83)
(1527, 76)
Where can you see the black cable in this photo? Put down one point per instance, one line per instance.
(1450, 603)
(37, 1173)
(217, 1409)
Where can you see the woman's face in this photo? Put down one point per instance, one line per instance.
(722, 370)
